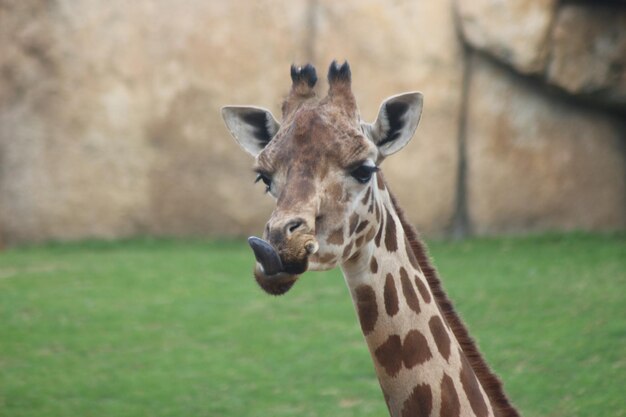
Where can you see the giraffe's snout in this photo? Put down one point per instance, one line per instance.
(280, 229)
(283, 253)
(293, 237)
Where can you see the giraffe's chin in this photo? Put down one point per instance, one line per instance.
(277, 284)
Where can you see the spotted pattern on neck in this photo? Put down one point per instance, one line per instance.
(420, 364)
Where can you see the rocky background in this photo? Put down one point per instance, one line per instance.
(110, 124)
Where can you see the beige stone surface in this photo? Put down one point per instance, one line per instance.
(536, 162)
(514, 31)
(588, 52)
(393, 48)
(70, 164)
(109, 117)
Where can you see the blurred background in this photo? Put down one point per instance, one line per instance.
(110, 124)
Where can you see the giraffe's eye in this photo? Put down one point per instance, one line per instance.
(363, 173)
(261, 176)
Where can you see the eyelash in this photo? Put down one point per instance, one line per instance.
(363, 173)
(266, 180)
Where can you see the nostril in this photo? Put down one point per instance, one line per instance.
(293, 225)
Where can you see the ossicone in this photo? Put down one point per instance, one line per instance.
(306, 74)
(339, 73)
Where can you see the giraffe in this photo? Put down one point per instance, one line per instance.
(334, 208)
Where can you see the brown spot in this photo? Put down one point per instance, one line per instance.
(370, 209)
(361, 226)
(379, 235)
(411, 255)
(450, 406)
(472, 389)
(336, 237)
(354, 220)
(359, 241)
(442, 340)
(370, 234)
(366, 307)
(380, 181)
(391, 240)
(415, 349)
(422, 289)
(389, 355)
(374, 265)
(367, 196)
(409, 293)
(390, 296)
(347, 250)
(419, 403)
(377, 209)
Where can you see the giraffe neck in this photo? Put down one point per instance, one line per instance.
(420, 364)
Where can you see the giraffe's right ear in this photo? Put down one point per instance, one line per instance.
(252, 127)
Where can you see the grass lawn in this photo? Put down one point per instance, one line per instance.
(170, 328)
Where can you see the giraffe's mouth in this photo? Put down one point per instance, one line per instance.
(276, 274)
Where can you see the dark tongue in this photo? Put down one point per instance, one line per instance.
(266, 255)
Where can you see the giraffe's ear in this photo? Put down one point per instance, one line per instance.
(397, 120)
(252, 127)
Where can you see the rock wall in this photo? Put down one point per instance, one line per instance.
(537, 161)
(545, 132)
(579, 47)
(110, 122)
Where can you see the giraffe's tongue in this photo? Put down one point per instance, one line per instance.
(266, 255)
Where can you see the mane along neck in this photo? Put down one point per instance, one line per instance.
(489, 381)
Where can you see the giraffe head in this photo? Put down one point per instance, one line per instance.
(320, 165)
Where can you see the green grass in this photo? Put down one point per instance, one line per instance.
(169, 328)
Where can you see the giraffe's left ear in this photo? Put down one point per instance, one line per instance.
(252, 127)
(397, 120)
